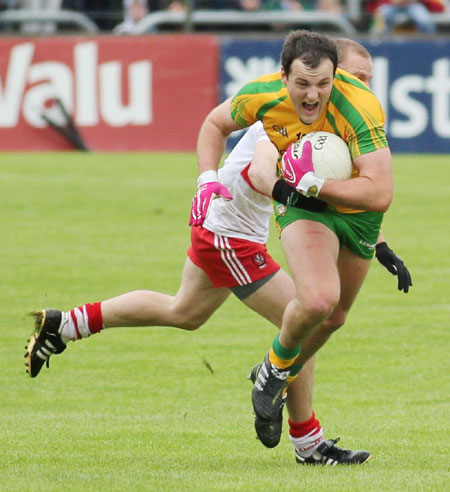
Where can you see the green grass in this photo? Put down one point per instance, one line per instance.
(136, 409)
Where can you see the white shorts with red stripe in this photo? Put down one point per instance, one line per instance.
(230, 262)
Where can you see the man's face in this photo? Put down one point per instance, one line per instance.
(359, 66)
(309, 88)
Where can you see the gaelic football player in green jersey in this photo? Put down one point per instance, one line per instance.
(328, 252)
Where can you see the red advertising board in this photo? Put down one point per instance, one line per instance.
(123, 93)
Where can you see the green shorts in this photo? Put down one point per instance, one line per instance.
(358, 232)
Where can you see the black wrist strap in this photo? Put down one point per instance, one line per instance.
(287, 195)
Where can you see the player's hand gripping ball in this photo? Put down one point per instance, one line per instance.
(316, 157)
(330, 155)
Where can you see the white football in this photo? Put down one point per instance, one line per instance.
(330, 155)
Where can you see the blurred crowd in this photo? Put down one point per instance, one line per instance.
(391, 15)
(121, 16)
(134, 10)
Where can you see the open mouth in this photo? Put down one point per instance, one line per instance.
(310, 108)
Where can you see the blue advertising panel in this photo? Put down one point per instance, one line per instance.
(411, 79)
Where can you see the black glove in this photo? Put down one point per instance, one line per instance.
(395, 265)
(287, 195)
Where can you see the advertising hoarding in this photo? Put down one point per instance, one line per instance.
(411, 79)
(123, 93)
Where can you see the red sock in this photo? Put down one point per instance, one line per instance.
(95, 317)
(305, 436)
(300, 429)
(86, 320)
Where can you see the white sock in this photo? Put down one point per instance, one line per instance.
(305, 445)
(74, 325)
(64, 329)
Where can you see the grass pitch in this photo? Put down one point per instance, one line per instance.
(136, 409)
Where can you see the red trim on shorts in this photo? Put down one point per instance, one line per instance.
(230, 262)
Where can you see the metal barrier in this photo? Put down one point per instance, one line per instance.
(233, 18)
(441, 19)
(212, 18)
(81, 21)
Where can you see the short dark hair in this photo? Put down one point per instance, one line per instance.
(309, 47)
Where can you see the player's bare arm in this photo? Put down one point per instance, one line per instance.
(262, 171)
(213, 135)
(372, 190)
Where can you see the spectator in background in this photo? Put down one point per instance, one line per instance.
(105, 13)
(45, 6)
(250, 5)
(134, 11)
(436, 6)
(395, 12)
(333, 6)
(176, 6)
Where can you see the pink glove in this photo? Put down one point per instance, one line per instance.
(298, 169)
(206, 192)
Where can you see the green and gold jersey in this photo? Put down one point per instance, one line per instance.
(353, 113)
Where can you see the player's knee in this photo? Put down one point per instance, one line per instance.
(334, 322)
(190, 324)
(319, 305)
(190, 321)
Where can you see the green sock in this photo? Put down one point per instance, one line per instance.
(295, 369)
(281, 356)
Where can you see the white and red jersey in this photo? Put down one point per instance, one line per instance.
(230, 245)
(247, 216)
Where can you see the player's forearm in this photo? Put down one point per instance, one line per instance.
(371, 190)
(263, 169)
(210, 147)
(358, 193)
(213, 135)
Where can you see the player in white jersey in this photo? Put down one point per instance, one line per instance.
(230, 244)
(228, 253)
(247, 216)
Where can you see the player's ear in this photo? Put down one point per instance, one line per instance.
(283, 76)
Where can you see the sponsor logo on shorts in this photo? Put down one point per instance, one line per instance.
(259, 260)
(281, 210)
(366, 244)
